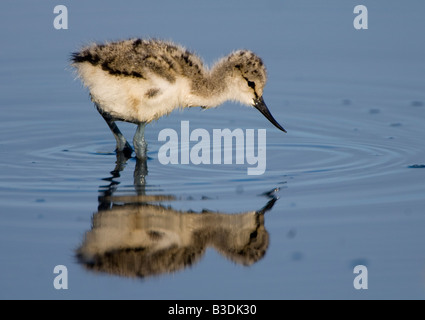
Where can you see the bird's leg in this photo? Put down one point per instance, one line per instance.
(122, 144)
(140, 173)
(139, 143)
(106, 192)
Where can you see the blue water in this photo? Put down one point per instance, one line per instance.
(345, 185)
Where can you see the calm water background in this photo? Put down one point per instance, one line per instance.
(349, 174)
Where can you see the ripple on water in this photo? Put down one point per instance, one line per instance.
(321, 148)
(417, 166)
(337, 161)
(340, 160)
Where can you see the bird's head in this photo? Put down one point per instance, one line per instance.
(249, 78)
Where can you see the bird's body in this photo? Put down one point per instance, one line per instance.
(140, 81)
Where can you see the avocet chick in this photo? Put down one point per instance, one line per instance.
(139, 81)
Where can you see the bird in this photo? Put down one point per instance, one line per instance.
(140, 80)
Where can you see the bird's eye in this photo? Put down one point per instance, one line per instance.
(251, 84)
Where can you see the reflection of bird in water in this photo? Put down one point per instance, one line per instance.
(142, 80)
(130, 236)
(140, 240)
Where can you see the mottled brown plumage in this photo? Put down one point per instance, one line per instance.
(142, 80)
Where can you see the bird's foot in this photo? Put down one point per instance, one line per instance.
(141, 149)
(124, 148)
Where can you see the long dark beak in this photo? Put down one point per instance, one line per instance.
(260, 105)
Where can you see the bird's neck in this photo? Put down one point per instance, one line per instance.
(215, 86)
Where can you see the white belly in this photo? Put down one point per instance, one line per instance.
(134, 99)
